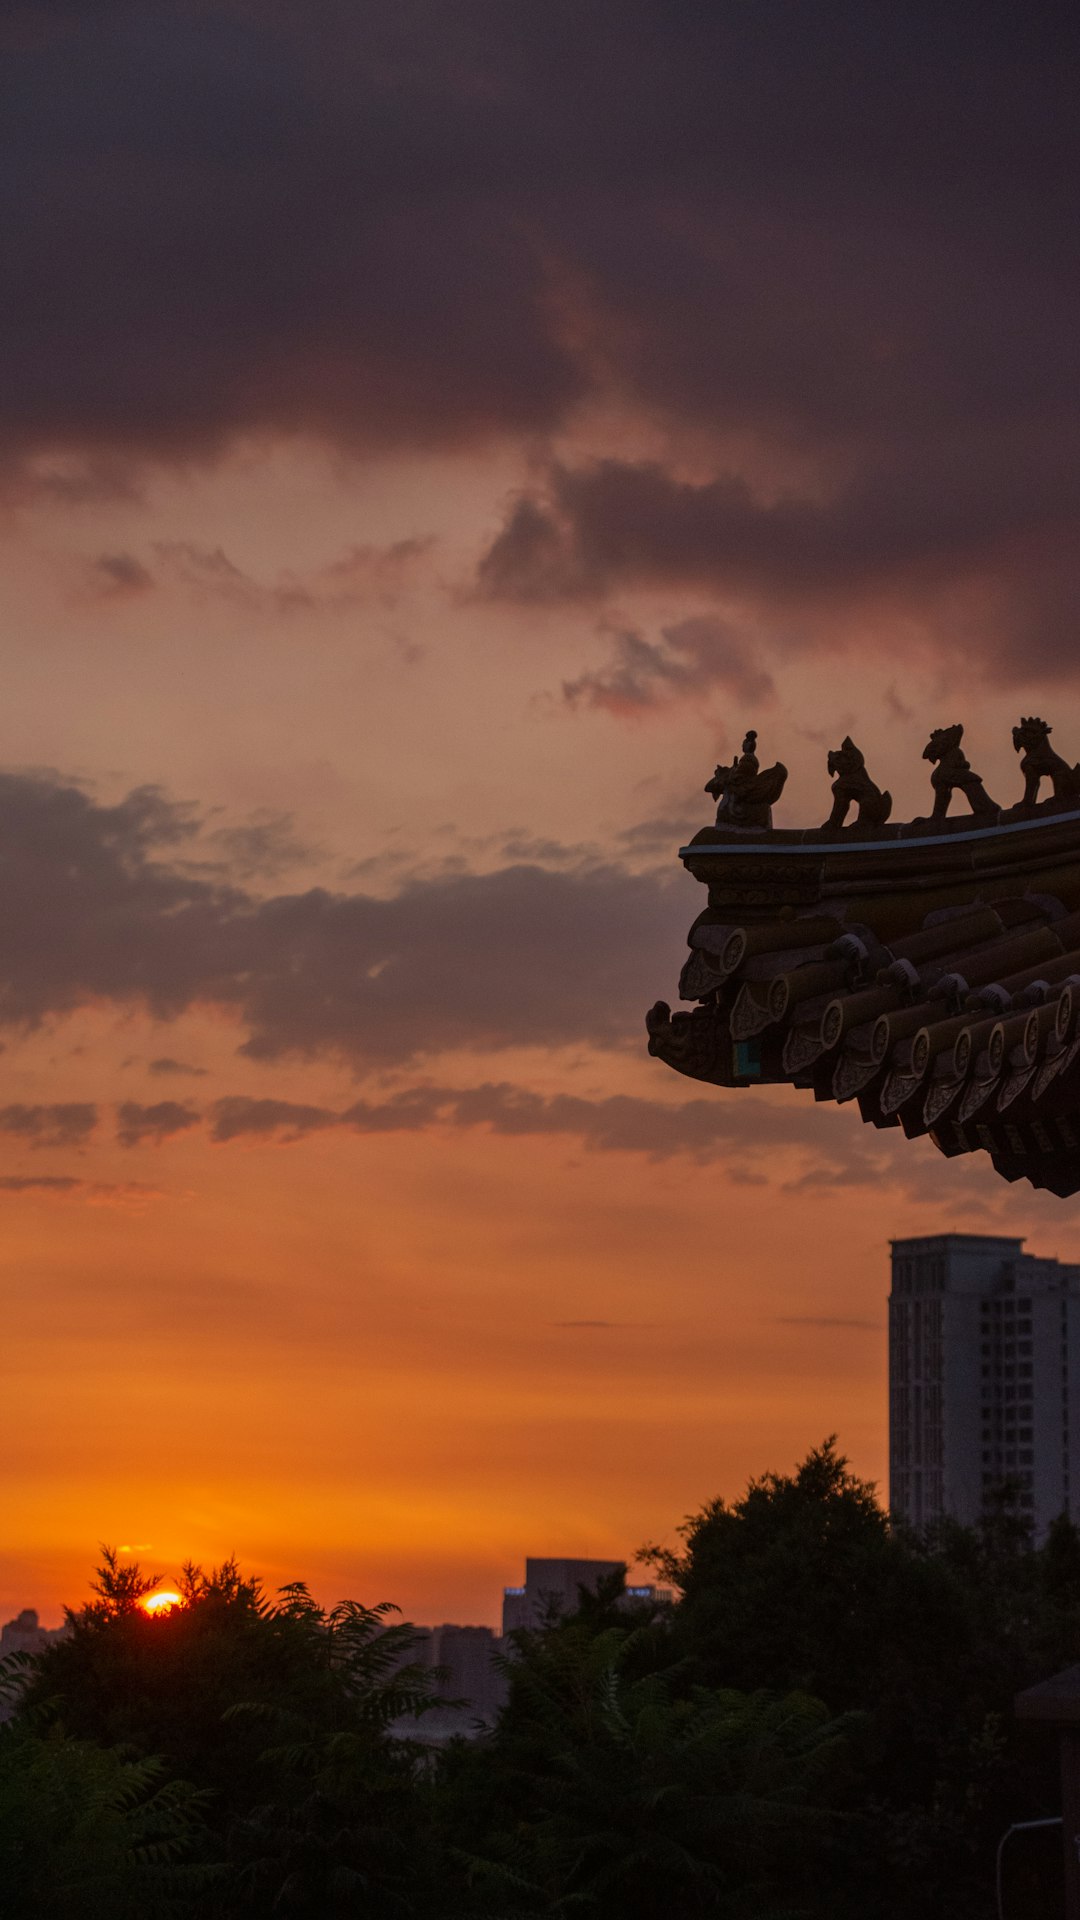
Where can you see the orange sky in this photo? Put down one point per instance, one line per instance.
(366, 1359)
(429, 440)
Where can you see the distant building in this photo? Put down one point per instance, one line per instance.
(469, 1680)
(984, 1379)
(555, 1586)
(473, 1682)
(469, 1658)
(25, 1634)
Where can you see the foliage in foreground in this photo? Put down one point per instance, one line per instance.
(821, 1727)
(88, 1835)
(609, 1792)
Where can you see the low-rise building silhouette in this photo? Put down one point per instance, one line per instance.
(469, 1680)
(552, 1587)
(470, 1663)
(25, 1634)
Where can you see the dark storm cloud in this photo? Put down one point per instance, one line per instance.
(41, 1183)
(361, 573)
(657, 835)
(63, 1186)
(121, 573)
(830, 1147)
(930, 516)
(136, 1124)
(262, 848)
(843, 235)
(237, 1117)
(220, 222)
(621, 1123)
(522, 955)
(695, 656)
(67, 1124)
(105, 904)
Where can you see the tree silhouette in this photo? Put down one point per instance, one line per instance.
(280, 1712)
(821, 1726)
(605, 1793)
(86, 1834)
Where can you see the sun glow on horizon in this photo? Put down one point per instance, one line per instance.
(161, 1602)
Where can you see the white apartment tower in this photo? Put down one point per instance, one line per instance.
(984, 1373)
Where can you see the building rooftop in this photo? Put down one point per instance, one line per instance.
(943, 1242)
(928, 974)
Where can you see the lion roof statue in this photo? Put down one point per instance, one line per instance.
(851, 784)
(951, 771)
(1040, 762)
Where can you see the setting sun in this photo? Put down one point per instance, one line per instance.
(161, 1602)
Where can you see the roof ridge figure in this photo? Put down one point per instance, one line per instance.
(746, 793)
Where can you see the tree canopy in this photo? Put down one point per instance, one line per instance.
(820, 1726)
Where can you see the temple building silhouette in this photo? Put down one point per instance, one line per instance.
(926, 973)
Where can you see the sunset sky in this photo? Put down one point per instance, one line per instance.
(431, 435)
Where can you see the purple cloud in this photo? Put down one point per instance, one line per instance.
(97, 908)
(695, 657)
(136, 1124)
(65, 1124)
(426, 227)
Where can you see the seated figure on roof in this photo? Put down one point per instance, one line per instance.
(853, 785)
(746, 795)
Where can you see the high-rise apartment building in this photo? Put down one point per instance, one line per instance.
(984, 1379)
